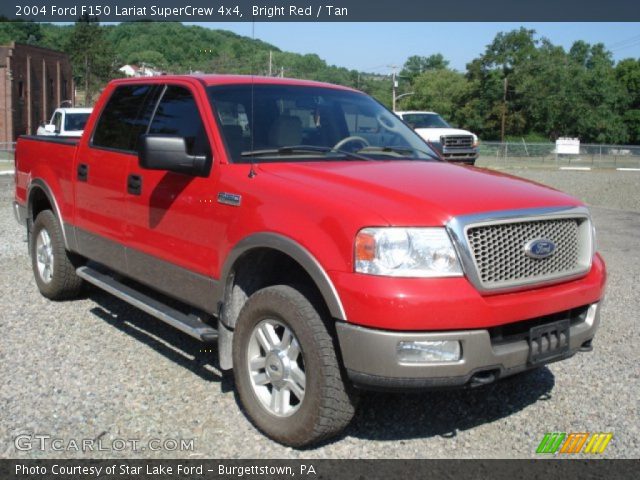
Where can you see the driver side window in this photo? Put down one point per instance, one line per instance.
(57, 121)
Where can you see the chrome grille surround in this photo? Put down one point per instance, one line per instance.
(457, 141)
(491, 247)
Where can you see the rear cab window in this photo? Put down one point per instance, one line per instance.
(125, 117)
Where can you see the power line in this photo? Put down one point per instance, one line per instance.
(615, 45)
(634, 44)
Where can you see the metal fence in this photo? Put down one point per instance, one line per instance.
(508, 154)
(514, 154)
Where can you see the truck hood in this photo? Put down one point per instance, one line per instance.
(434, 134)
(416, 193)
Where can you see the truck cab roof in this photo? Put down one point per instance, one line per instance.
(403, 112)
(74, 110)
(220, 79)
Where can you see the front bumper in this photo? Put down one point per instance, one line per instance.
(370, 355)
(20, 213)
(465, 155)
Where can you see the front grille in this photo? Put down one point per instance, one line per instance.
(498, 251)
(458, 141)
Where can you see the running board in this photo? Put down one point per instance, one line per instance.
(189, 324)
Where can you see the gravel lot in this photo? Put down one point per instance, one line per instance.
(96, 368)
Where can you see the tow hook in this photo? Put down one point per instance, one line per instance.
(483, 378)
(586, 346)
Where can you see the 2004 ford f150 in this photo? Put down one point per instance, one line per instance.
(314, 236)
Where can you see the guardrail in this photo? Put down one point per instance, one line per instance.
(514, 154)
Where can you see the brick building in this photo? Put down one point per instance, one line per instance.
(34, 81)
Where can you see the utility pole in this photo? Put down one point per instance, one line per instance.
(504, 109)
(87, 71)
(281, 72)
(394, 86)
(270, 63)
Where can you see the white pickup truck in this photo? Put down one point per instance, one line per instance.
(454, 145)
(66, 122)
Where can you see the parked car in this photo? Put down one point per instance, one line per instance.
(454, 144)
(66, 122)
(315, 237)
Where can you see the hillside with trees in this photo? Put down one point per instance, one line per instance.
(521, 86)
(97, 51)
(535, 89)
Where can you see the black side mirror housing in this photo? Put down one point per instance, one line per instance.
(169, 152)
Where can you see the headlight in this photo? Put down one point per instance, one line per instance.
(594, 240)
(406, 252)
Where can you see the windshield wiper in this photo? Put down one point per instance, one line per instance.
(292, 149)
(397, 150)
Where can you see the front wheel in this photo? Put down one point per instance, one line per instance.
(287, 373)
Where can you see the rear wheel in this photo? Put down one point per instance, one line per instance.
(286, 369)
(53, 266)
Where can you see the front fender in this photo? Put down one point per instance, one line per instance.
(298, 253)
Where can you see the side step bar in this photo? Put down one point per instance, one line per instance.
(189, 324)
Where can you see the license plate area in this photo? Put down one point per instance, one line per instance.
(548, 342)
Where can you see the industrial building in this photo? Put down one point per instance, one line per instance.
(34, 81)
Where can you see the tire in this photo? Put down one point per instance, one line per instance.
(54, 268)
(326, 406)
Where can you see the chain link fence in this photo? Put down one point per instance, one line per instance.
(508, 154)
(524, 154)
(6, 155)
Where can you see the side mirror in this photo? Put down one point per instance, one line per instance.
(169, 152)
(50, 128)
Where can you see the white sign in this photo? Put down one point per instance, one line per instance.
(568, 146)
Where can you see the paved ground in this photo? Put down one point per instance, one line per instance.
(98, 369)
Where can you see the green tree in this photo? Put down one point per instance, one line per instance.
(488, 76)
(92, 57)
(628, 76)
(19, 31)
(150, 58)
(416, 65)
(440, 90)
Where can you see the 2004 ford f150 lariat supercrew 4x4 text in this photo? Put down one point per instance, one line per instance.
(314, 236)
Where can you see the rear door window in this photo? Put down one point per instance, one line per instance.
(126, 116)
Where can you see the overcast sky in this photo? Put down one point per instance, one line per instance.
(373, 46)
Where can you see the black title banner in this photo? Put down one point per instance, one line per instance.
(323, 10)
(318, 469)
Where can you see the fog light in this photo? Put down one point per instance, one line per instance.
(429, 352)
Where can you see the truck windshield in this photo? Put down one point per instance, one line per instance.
(262, 123)
(75, 121)
(425, 120)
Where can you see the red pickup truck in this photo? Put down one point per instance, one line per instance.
(314, 236)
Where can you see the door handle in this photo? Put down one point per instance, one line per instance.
(83, 172)
(134, 184)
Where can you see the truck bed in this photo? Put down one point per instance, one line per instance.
(57, 170)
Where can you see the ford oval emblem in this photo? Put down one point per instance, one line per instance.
(539, 248)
